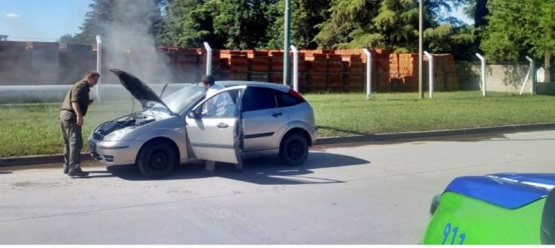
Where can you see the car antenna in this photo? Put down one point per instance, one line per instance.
(163, 89)
(132, 105)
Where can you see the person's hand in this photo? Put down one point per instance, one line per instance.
(79, 121)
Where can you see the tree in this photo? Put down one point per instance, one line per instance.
(348, 18)
(231, 24)
(391, 24)
(533, 36)
(105, 15)
(306, 15)
(245, 22)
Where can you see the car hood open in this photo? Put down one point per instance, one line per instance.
(137, 88)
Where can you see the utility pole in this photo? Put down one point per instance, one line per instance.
(286, 42)
(420, 76)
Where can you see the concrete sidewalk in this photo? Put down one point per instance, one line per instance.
(384, 137)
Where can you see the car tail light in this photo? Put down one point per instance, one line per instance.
(295, 94)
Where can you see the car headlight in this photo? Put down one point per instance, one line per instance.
(117, 135)
(435, 203)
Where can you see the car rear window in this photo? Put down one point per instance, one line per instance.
(257, 98)
(287, 100)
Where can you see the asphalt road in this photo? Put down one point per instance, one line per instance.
(362, 193)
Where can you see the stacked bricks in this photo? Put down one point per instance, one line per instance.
(186, 63)
(237, 63)
(74, 61)
(445, 73)
(260, 65)
(276, 66)
(14, 58)
(341, 70)
(403, 72)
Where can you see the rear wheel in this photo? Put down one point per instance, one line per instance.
(157, 159)
(293, 149)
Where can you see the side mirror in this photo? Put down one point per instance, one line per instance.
(547, 228)
(193, 114)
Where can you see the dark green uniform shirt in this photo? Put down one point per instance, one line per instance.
(79, 93)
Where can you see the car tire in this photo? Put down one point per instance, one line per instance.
(293, 149)
(157, 159)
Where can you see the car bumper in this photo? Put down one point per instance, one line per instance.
(115, 152)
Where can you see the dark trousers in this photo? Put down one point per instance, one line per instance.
(73, 139)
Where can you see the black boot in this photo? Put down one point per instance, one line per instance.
(66, 169)
(77, 173)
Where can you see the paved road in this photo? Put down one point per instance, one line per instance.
(376, 193)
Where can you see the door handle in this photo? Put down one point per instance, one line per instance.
(222, 125)
(277, 114)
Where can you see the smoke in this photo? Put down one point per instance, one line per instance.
(130, 42)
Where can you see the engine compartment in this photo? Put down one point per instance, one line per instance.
(132, 120)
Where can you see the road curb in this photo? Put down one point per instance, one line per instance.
(434, 133)
(58, 158)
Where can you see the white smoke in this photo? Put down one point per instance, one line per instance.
(130, 44)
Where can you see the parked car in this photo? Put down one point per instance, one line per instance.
(263, 119)
(503, 208)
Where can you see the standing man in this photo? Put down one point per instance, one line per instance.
(217, 107)
(73, 109)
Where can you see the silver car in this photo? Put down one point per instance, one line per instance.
(261, 119)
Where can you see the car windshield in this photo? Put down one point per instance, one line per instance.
(181, 98)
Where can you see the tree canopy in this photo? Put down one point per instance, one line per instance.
(328, 24)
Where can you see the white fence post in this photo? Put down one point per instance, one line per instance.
(483, 73)
(295, 68)
(532, 76)
(208, 58)
(368, 74)
(430, 72)
(98, 65)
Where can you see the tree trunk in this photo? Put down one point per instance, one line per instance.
(480, 12)
(547, 73)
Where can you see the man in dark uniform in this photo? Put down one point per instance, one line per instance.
(73, 110)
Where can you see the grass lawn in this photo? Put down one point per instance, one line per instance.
(33, 129)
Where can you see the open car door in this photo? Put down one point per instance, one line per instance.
(214, 126)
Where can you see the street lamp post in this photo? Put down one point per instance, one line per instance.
(286, 42)
(420, 21)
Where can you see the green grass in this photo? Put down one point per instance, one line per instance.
(33, 129)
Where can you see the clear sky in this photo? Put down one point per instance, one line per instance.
(41, 20)
(48, 20)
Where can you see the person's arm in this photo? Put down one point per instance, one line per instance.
(77, 110)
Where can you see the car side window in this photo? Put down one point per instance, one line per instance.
(220, 105)
(257, 98)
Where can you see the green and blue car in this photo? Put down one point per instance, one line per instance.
(503, 208)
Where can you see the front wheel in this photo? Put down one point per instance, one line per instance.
(157, 159)
(293, 149)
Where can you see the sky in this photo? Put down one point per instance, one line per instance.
(41, 20)
(48, 20)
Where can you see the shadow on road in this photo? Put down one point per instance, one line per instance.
(267, 170)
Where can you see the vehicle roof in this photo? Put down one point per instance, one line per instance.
(280, 87)
(507, 190)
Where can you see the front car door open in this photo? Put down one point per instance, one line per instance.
(214, 126)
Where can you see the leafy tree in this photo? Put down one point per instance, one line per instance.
(348, 17)
(306, 15)
(391, 24)
(533, 36)
(105, 14)
(245, 22)
(232, 24)
(188, 23)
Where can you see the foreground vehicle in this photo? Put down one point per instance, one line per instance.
(262, 119)
(504, 208)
